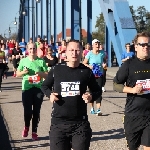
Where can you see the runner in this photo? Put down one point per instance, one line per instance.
(2, 65)
(62, 51)
(16, 56)
(127, 54)
(50, 59)
(33, 69)
(22, 46)
(133, 78)
(69, 116)
(95, 60)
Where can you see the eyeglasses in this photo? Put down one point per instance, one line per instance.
(144, 44)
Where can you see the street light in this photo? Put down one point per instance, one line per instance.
(38, 1)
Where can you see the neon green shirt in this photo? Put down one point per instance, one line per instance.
(31, 80)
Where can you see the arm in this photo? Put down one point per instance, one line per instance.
(121, 78)
(47, 85)
(94, 88)
(44, 72)
(85, 62)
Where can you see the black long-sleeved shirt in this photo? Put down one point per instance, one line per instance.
(70, 84)
(130, 72)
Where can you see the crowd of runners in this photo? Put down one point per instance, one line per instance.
(71, 75)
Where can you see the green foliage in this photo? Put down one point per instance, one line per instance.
(100, 29)
(140, 16)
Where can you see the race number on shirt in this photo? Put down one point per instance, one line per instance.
(70, 89)
(34, 79)
(145, 84)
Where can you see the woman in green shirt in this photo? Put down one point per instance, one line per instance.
(33, 70)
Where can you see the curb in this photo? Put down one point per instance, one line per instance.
(7, 128)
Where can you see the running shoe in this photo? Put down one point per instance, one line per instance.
(98, 112)
(103, 89)
(34, 136)
(92, 111)
(25, 132)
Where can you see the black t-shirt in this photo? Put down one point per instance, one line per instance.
(16, 51)
(51, 62)
(131, 71)
(70, 84)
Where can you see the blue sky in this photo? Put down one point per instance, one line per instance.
(9, 10)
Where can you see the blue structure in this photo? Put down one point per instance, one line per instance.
(120, 27)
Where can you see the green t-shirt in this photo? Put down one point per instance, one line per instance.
(31, 80)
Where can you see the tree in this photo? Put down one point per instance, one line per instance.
(13, 36)
(140, 18)
(100, 29)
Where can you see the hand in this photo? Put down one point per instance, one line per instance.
(104, 65)
(91, 67)
(137, 89)
(46, 64)
(53, 97)
(25, 71)
(39, 74)
(87, 97)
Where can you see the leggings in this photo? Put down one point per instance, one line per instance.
(104, 77)
(15, 62)
(100, 83)
(2, 68)
(32, 97)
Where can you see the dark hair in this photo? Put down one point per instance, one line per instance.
(143, 34)
(127, 44)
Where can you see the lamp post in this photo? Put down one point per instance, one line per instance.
(33, 19)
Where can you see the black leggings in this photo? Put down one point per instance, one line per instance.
(2, 68)
(104, 77)
(100, 83)
(32, 97)
(15, 62)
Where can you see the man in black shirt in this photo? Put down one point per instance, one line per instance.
(136, 74)
(69, 80)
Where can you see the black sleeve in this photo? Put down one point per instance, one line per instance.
(94, 88)
(47, 85)
(122, 73)
(56, 60)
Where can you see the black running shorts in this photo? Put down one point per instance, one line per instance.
(137, 131)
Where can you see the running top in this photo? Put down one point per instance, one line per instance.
(2, 56)
(31, 80)
(96, 59)
(70, 84)
(135, 71)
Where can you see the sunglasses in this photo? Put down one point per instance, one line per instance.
(144, 44)
(32, 48)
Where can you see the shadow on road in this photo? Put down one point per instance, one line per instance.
(4, 136)
(108, 135)
(32, 145)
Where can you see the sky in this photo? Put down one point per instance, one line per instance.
(9, 10)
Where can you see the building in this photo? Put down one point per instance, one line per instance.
(68, 35)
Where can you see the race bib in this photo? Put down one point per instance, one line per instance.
(34, 79)
(146, 86)
(63, 54)
(70, 89)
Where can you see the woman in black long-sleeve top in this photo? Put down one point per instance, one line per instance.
(50, 59)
